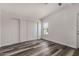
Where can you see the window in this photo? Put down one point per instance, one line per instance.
(45, 28)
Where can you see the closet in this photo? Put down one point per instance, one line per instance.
(10, 30)
(28, 30)
(23, 31)
(32, 30)
(15, 29)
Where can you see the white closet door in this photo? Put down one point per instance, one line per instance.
(10, 32)
(78, 31)
(32, 30)
(24, 31)
(35, 30)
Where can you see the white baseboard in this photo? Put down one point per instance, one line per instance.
(63, 43)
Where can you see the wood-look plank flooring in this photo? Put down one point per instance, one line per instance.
(38, 47)
(76, 53)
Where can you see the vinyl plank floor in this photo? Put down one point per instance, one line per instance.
(39, 47)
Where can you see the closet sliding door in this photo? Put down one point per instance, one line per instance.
(28, 30)
(32, 30)
(24, 31)
(10, 31)
(35, 30)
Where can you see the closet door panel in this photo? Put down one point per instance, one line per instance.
(24, 31)
(35, 33)
(32, 30)
(10, 32)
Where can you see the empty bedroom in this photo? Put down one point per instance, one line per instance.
(39, 29)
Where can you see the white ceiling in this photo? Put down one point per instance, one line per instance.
(38, 10)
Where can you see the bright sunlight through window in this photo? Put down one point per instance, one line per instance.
(45, 28)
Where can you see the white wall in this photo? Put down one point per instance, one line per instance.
(62, 26)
